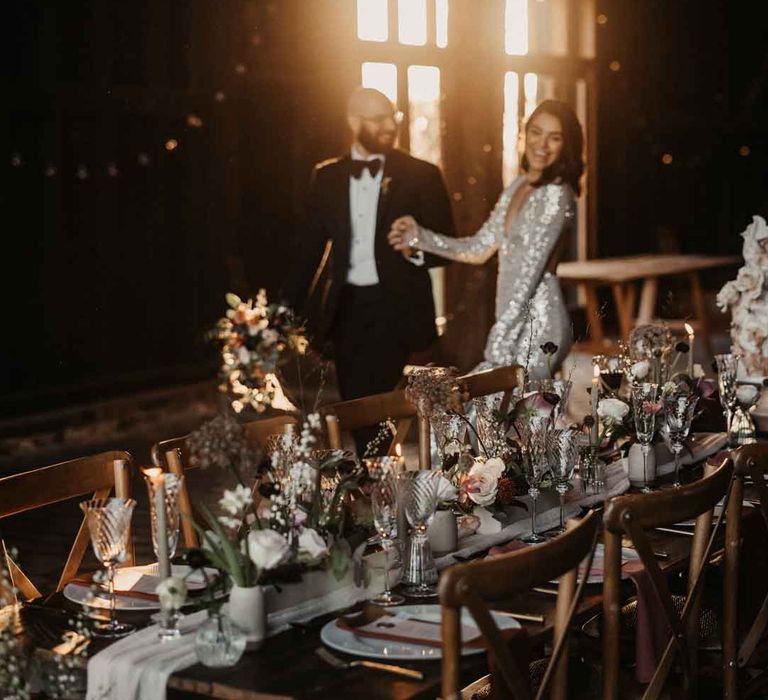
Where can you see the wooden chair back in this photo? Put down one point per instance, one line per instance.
(631, 516)
(394, 406)
(173, 456)
(96, 476)
(750, 462)
(476, 584)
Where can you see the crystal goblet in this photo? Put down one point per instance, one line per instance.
(108, 521)
(727, 370)
(385, 504)
(679, 407)
(645, 407)
(533, 432)
(563, 447)
(420, 505)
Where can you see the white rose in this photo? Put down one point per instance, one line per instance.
(747, 394)
(446, 491)
(727, 296)
(698, 371)
(755, 240)
(237, 500)
(171, 592)
(266, 548)
(487, 476)
(749, 281)
(612, 410)
(640, 369)
(312, 544)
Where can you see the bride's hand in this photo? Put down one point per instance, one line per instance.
(403, 230)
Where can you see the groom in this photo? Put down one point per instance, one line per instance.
(372, 304)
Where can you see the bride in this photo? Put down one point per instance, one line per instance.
(527, 228)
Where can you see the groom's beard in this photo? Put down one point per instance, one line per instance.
(379, 141)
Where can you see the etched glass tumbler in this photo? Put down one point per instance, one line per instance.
(173, 485)
(420, 494)
(645, 407)
(385, 504)
(534, 435)
(109, 521)
(563, 447)
(727, 370)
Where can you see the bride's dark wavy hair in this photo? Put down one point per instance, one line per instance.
(569, 167)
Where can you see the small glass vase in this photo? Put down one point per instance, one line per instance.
(219, 642)
(169, 625)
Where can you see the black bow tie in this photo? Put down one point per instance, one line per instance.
(357, 167)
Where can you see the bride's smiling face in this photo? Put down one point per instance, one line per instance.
(543, 142)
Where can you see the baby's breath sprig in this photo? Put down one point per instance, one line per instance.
(386, 430)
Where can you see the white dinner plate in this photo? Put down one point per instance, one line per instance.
(597, 576)
(125, 578)
(346, 641)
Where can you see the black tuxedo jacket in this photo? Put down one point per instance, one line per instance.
(408, 186)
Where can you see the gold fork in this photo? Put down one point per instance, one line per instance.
(336, 662)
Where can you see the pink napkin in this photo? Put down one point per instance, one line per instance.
(651, 629)
(511, 546)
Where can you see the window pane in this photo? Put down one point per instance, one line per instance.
(372, 20)
(511, 127)
(441, 20)
(412, 22)
(382, 77)
(516, 27)
(530, 90)
(424, 109)
(548, 27)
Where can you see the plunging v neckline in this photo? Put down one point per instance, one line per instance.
(507, 229)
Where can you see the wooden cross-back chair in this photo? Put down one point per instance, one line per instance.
(476, 585)
(631, 516)
(347, 416)
(748, 650)
(173, 456)
(95, 476)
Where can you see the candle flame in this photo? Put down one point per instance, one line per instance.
(399, 450)
(689, 329)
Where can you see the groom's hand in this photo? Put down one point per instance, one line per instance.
(403, 230)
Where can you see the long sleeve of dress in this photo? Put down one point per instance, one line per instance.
(529, 251)
(474, 249)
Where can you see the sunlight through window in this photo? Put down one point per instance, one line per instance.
(516, 27)
(372, 20)
(531, 91)
(382, 77)
(424, 111)
(511, 127)
(412, 22)
(441, 20)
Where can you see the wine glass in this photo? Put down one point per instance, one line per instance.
(645, 406)
(108, 522)
(679, 407)
(420, 505)
(385, 504)
(173, 484)
(612, 371)
(533, 432)
(727, 369)
(562, 454)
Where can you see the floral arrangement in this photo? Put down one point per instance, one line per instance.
(434, 389)
(290, 517)
(256, 339)
(747, 299)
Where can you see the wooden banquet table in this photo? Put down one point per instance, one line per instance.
(287, 666)
(622, 274)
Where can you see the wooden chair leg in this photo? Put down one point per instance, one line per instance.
(731, 590)
(648, 296)
(123, 490)
(451, 634)
(611, 614)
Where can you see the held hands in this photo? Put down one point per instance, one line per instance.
(401, 234)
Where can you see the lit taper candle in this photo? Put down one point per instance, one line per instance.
(691, 338)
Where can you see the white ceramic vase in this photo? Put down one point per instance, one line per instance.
(443, 533)
(248, 611)
(634, 461)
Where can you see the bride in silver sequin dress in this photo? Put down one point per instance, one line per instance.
(525, 227)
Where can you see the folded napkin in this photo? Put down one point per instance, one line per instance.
(376, 623)
(651, 628)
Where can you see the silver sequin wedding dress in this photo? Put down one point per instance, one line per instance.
(530, 309)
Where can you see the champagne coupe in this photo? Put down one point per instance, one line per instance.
(420, 506)
(173, 484)
(562, 454)
(385, 503)
(727, 368)
(645, 406)
(109, 521)
(679, 407)
(534, 432)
